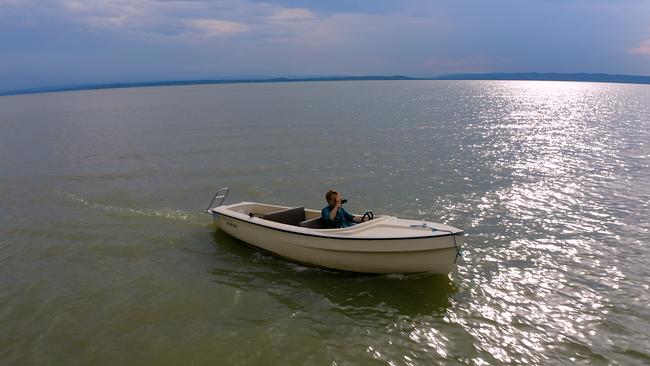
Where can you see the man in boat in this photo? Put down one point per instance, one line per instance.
(334, 216)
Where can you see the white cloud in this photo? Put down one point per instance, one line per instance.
(199, 20)
(642, 49)
(292, 14)
(124, 15)
(184, 20)
(365, 31)
(218, 28)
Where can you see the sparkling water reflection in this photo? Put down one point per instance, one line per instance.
(105, 259)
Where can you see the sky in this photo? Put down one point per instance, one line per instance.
(65, 42)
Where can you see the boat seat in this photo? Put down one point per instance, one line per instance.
(292, 216)
(316, 223)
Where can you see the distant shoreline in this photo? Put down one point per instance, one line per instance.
(579, 77)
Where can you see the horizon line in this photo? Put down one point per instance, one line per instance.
(521, 76)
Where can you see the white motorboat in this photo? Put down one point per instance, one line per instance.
(382, 244)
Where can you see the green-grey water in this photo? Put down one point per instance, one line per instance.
(105, 257)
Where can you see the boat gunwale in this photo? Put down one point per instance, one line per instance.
(213, 211)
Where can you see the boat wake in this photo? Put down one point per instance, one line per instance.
(164, 212)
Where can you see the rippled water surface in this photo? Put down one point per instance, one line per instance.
(105, 257)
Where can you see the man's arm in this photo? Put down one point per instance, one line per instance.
(326, 214)
(349, 217)
(335, 210)
(333, 213)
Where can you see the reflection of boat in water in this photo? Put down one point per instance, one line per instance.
(383, 244)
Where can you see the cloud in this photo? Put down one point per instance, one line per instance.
(218, 28)
(147, 19)
(642, 49)
(199, 20)
(200, 38)
(292, 14)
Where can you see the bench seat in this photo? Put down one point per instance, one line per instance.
(292, 216)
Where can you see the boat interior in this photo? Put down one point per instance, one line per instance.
(307, 218)
(296, 216)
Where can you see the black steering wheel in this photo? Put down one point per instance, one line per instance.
(369, 215)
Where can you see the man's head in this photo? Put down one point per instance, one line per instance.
(331, 196)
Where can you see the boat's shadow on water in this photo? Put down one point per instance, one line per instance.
(248, 268)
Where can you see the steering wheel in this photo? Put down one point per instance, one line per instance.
(369, 215)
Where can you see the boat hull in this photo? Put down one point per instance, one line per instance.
(435, 255)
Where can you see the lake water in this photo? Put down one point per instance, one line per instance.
(106, 259)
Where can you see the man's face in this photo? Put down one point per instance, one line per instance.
(333, 199)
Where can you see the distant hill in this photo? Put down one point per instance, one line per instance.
(607, 78)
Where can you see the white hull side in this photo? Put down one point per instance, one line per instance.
(381, 256)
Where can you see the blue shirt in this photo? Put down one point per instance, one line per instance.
(342, 219)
